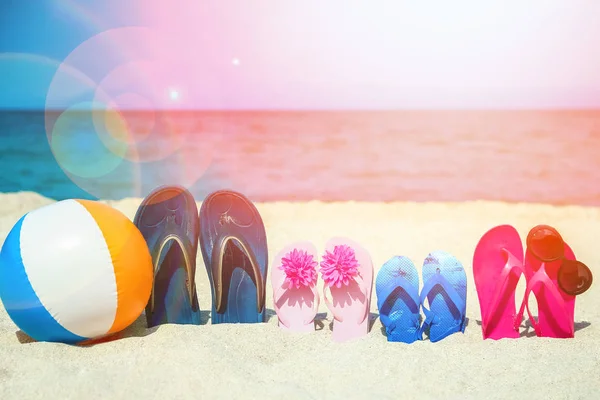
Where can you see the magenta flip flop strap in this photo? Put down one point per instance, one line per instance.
(512, 265)
(541, 278)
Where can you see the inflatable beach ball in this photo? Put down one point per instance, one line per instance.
(74, 270)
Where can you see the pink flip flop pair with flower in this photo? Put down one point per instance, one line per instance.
(347, 272)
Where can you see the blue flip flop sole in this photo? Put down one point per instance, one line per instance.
(397, 288)
(445, 287)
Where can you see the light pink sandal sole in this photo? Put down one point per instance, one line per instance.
(296, 308)
(351, 304)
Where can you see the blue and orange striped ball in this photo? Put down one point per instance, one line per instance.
(74, 270)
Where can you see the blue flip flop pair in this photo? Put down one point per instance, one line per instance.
(399, 301)
(233, 242)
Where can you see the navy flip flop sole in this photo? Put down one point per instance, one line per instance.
(167, 218)
(234, 248)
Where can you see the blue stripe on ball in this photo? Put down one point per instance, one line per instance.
(20, 300)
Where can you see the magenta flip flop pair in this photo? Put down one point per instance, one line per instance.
(552, 273)
(347, 272)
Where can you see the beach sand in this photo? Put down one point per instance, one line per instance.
(259, 361)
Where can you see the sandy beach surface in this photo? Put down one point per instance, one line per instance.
(259, 361)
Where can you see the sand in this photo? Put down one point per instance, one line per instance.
(259, 361)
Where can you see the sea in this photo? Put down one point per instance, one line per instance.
(376, 156)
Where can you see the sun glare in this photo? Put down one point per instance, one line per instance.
(174, 94)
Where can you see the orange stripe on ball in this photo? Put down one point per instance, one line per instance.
(131, 259)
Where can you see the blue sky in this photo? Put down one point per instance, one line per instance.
(35, 35)
(311, 54)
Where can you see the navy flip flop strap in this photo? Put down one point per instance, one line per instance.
(165, 240)
(171, 230)
(217, 269)
(174, 229)
(435, 280)
(164, 244)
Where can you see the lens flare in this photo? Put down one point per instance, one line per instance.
(131, 92)
(140, 117)
(108, 120)
(83, 150)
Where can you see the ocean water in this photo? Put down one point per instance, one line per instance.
(516, 156)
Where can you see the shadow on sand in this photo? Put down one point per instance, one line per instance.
(467, 320)
(530, 332)
(137, 329)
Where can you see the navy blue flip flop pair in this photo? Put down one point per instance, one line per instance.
(399, 301)
(234, 248)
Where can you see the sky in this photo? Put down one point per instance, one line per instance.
(290, 54)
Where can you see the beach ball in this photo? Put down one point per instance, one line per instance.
(74, 270)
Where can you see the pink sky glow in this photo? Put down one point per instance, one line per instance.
(336, 54)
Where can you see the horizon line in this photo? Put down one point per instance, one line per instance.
(301, 110)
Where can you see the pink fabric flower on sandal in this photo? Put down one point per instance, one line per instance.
(339, 267)
(300, 269)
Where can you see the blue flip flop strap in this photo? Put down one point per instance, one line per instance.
(390, 327)
(384, 294)
(435, 280)
(390, 323)
(392, 285)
